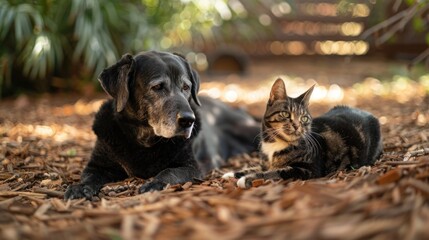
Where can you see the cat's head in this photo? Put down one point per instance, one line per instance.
(286, 118)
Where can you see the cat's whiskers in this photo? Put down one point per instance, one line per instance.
(312, 145)
(314, 140)
(259, 136)
(274, 132)
(316, 133)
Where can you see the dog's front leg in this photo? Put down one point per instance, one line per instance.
(171, 176)
(99, 171)
(91, 182)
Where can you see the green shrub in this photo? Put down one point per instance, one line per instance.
(42, 41)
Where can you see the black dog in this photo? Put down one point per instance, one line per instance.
(151, 127)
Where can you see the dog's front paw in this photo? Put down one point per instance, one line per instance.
(244, 182)
(81, 191)
(152, 186)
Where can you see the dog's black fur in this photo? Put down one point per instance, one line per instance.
(225, 132)
(152, 126)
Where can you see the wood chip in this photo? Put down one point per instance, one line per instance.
(13, 194)
(40, 212)
(186, 185)
(389, 177)
(49, 192)
(257, 182)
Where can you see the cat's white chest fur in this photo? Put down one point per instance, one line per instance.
(270, 148)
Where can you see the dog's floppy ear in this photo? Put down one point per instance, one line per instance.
(195, 79)
(115, 78)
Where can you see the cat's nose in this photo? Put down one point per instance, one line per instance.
(295, 125)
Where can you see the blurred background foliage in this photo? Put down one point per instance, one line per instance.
(55, 44)
(42, 41)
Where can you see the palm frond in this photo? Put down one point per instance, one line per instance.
(6, 19)
(41, 55)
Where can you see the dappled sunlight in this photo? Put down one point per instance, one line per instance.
(81, 107)
(199, 60)
(326, 29)
(341, 47)
(250, 93)
(62, 124)
(59, 133)
(400, 89)
(233, 93)
(322, 9)
(42, 45)
(319, 47)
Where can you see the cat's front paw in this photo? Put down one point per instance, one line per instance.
(228, 175)
(235, 175)
(244, 182)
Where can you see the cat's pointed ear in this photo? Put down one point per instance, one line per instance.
(278, 91)
(305, 97)
(115, 80)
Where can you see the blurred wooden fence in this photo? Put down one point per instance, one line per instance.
(304, 27)
(324, 27)
(317, 27)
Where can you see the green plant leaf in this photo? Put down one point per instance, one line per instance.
(410, 2)
(418, 24)
(6, 23)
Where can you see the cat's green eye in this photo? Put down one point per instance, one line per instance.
(279, 117)
(305, 119)
(284, 115)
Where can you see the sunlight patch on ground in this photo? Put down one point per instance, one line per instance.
(81, 107)
(400, 89)
(59, 133)
(253, 94)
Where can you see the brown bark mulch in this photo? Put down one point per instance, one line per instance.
(46, 142)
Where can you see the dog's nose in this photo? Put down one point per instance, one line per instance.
(185, 119)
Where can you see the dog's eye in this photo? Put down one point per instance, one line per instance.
(158, 87)
(185, 87)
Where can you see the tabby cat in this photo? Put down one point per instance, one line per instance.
(299, 147)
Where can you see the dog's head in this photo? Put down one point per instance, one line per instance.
(154, 89)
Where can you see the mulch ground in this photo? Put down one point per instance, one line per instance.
(45, 143)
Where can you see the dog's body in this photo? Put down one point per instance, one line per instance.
(152, 126)
(225, 132)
